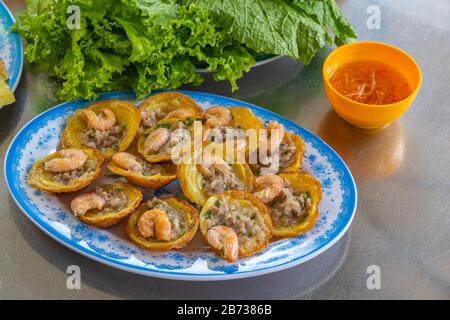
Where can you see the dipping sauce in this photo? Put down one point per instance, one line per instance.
(370, 82)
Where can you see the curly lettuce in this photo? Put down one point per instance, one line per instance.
(158, 44)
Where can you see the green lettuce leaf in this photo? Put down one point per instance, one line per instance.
(293, 28)
(330, 17)
(142, 44)
(158, 44)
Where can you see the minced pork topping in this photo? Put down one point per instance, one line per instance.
(221, 181)
(290, 208)
(115, 199)
(246, 221)
(102, 140)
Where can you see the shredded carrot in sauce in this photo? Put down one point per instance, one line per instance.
(370, 82)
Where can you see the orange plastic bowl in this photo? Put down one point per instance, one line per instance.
(368, 116)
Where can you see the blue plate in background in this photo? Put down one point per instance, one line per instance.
(11, 49)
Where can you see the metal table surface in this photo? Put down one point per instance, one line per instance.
(402, 224)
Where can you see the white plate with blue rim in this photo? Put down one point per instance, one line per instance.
(11, 49)
(196, 262)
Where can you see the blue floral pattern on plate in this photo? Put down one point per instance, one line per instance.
(11, 50)
(196, 262)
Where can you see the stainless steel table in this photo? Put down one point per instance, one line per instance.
(402, 223)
